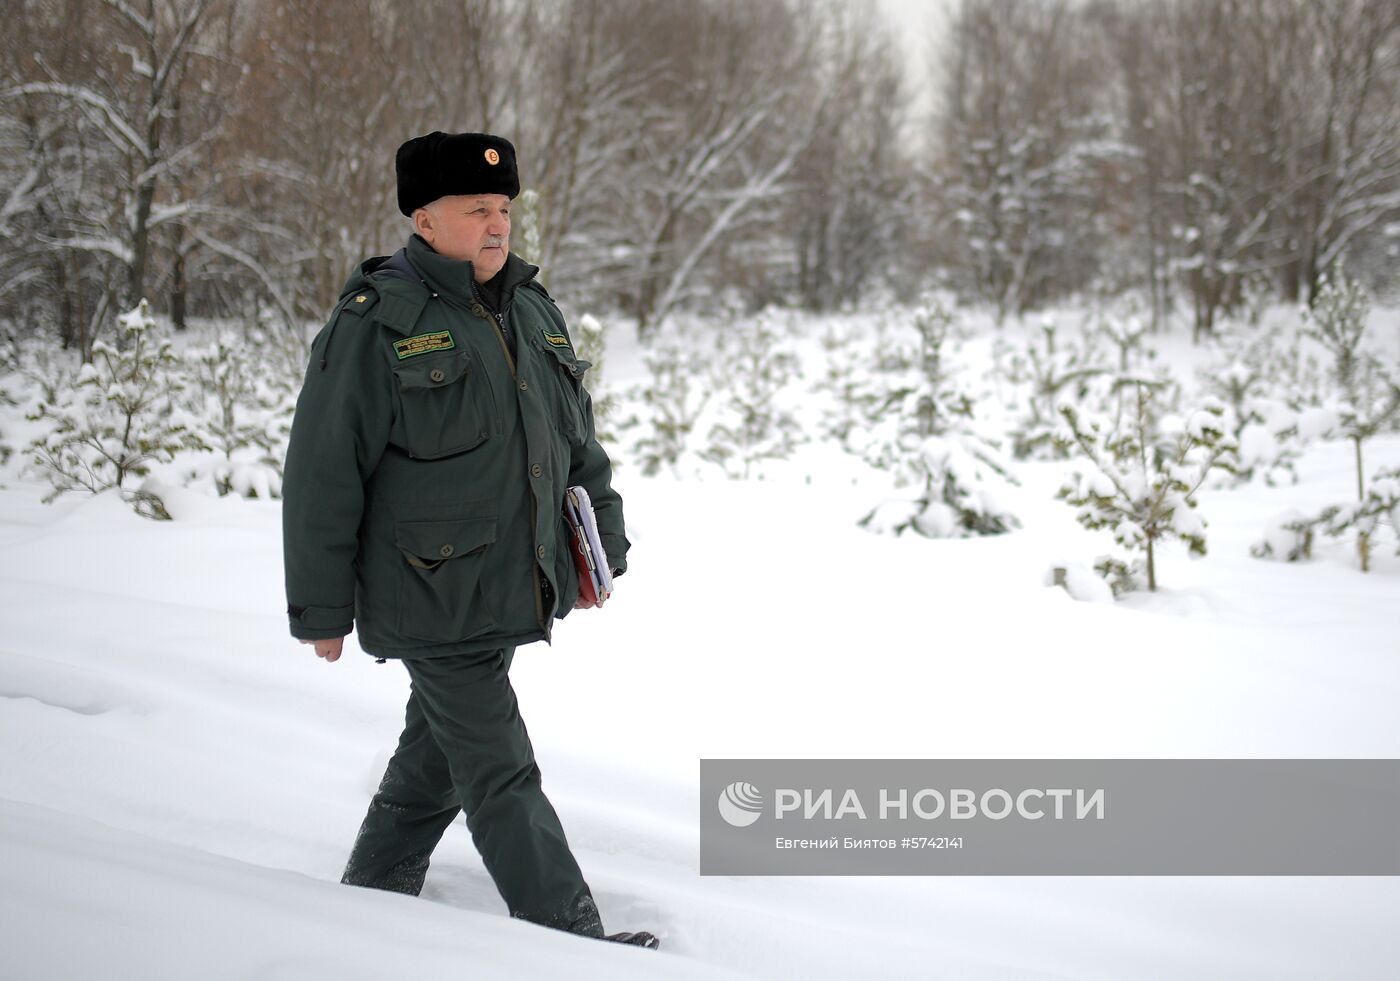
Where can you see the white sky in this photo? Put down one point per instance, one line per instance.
(918, 24)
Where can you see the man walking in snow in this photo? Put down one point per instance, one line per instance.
(442, 418)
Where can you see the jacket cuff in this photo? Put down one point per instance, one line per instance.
(616, 548)
(320, 622)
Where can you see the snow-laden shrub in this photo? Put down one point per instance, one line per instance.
(1337, 321)
(119, 417)
(1289, 537)
(591, 342)
(923, 430)
(241, 414)
(1143, 476)
(1366, 400)
(676, 394)
(752, 425)
(1127, 333)
(1266, 430)
(1054, 372)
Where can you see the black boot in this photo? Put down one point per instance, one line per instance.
(639, 939)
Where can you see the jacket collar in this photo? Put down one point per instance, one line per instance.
(453, 278)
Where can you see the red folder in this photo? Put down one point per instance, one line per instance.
(594, 576)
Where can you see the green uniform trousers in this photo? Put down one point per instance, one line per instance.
(464, 748)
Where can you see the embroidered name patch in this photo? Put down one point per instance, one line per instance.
(558, 340)
(440, 340)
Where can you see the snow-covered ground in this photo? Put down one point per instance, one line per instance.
(180, 781)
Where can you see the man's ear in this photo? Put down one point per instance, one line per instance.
(423, 224)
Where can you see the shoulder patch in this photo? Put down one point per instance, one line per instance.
(438, 340)
(359, 303)
(554, 339)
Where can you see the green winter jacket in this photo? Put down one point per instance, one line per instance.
(424, 484)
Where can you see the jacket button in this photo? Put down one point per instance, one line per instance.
(524, 386)
(446, 551)
(437, 374)
(478, 310)
(536, 470)
(540, 551)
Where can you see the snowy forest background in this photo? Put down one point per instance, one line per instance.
(235, 159)
(794, 236)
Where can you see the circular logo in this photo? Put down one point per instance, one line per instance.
(492, 157)
(740, 804)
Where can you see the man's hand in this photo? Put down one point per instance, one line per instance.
(583, 604)
(329, 648)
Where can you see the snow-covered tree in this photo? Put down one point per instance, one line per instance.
(1143, 476)
(119, 417)
(591, 342)
(1024, 137)
(753, 425)
(923, 430)
(1055, 373)
(1127, 333)
(1290, 536)
(675, 395)
(1368, 395)
(242, 414)
(1259, 377)
(1337, 321)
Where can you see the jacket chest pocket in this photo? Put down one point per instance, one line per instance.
(445, 406)
(567, 372)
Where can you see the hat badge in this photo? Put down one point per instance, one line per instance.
(492, 157)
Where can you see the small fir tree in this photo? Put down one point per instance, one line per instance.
(1055, 373)
(1337, 321)
(753, 426)
(527, 217)
(1143, 478)
(244, 416)
(1368, 396)
(676, 395)
(1264, 428)
(1291, 535)
(591, 342)
(118, 418)
(923, 431)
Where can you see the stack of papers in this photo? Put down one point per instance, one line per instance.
(594, 576)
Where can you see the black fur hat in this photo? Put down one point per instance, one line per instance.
(438, 164)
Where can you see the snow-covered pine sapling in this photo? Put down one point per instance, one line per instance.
(591, 342)
(118, 418)
(923, 431)
(1126, 333)
(1337, 321)
(1143, 478)
(1380, 503)
(1290, 536)
(1265, 429)
(527, 220)
(855, 378)
(242, 415)
(675, 395)
(753, 426)
(1055, 373)
(1369, 396)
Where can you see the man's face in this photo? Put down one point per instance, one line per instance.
(471, 228)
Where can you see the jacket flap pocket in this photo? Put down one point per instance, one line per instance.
(436, 541)
(432, 374)
(567, 360)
